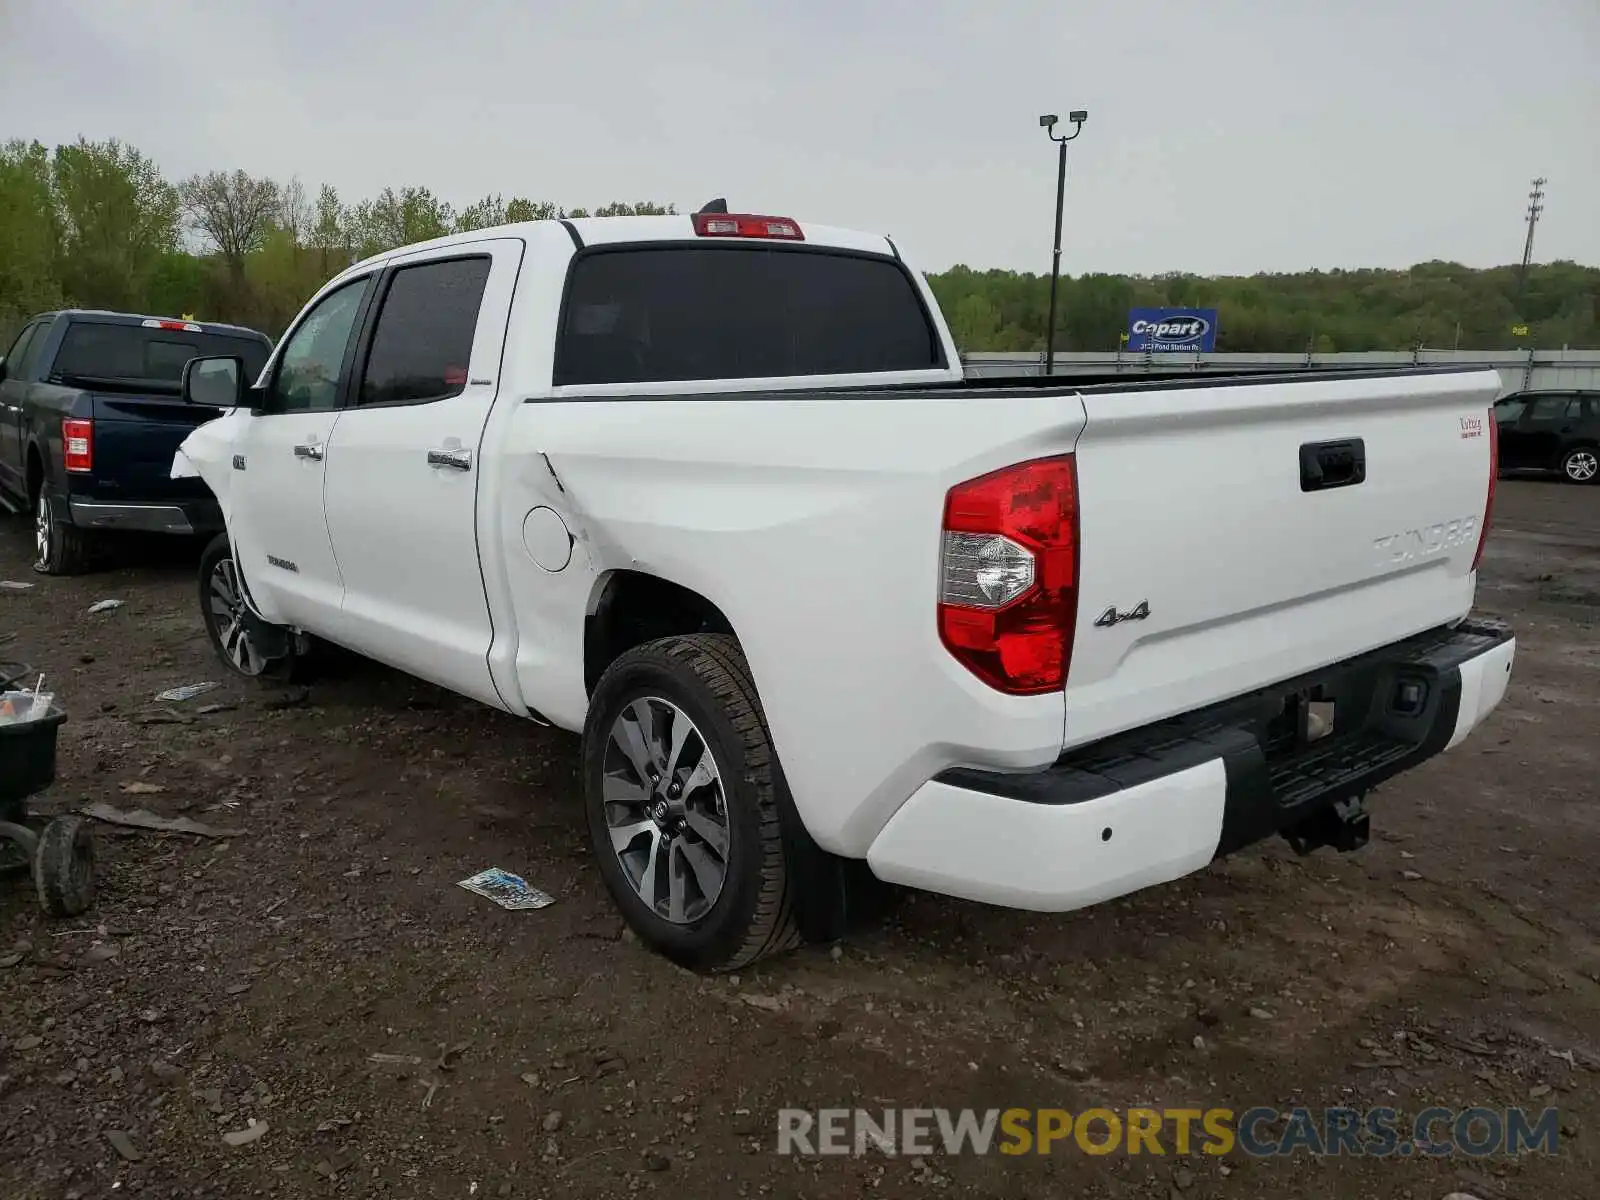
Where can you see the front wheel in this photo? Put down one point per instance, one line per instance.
(681, 790)
(246, 645)
(1581, 464)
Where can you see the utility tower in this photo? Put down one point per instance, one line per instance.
(1535, 207)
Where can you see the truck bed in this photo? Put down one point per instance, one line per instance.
(1221, 573)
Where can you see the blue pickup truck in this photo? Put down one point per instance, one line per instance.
(90, 417)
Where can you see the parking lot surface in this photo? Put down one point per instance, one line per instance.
(222, 981)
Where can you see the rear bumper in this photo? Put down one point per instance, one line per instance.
(1160, 802)
(187, 516)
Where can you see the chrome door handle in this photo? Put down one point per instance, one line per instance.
(456, 460)
(311, 450)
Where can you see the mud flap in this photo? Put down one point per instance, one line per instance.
(274, 641)
(832, 895)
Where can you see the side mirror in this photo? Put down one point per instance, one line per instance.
(214, 382)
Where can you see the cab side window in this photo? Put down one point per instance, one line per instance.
(422, 343)
(308, 373)
(16, 357)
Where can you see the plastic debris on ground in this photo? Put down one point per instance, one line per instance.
(12, 585)
(250, 1133)
(506, 890)
(105, 606)
(188, 691)
(139, 818)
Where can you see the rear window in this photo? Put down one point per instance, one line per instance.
(135, 354)
(739, 312)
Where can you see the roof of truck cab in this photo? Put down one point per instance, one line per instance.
(108, 316)
(604, 231)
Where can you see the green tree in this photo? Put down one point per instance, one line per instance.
(118, 217)
(183, 283)
(30, 237)
(295, 213)
(489, 211)
(643, 208)
(520, 208)
(974, 322)
(391, 219)
(233, 215)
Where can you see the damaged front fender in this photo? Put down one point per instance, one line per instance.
(208, 453)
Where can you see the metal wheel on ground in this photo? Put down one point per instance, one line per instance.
(59, 546)
(665, 809)
(682, 790)
(1581, 464)
(43, 532)
(244, 643)
(225, 613)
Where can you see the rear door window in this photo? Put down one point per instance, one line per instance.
(422, 344)
(93, 350)
(666, 313)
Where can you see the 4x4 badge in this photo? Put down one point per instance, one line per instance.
(1112, 617)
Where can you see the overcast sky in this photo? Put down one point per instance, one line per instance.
(1224, 135)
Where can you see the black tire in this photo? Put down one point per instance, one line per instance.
(706, 676)
(280, 662)
(60, 547)
(1581, 464)
(64, 867)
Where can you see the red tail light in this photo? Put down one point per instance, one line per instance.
(77, 445)
(1494, 474)
(743, 225)
(1008, 588)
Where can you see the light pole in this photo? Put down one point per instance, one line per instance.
(1048, 124)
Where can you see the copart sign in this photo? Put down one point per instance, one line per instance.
(1164, 330)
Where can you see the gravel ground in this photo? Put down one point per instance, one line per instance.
(224, 981)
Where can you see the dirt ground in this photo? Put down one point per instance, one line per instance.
(1454, 961)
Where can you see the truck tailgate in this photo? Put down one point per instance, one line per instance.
(135, 438)
(1230, 542)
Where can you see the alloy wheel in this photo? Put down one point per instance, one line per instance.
(43, 531)
(1582, 466)
(225, 599)
(666, 810)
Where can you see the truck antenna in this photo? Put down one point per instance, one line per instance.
(719, 205)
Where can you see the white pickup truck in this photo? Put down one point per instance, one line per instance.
(713, 491)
